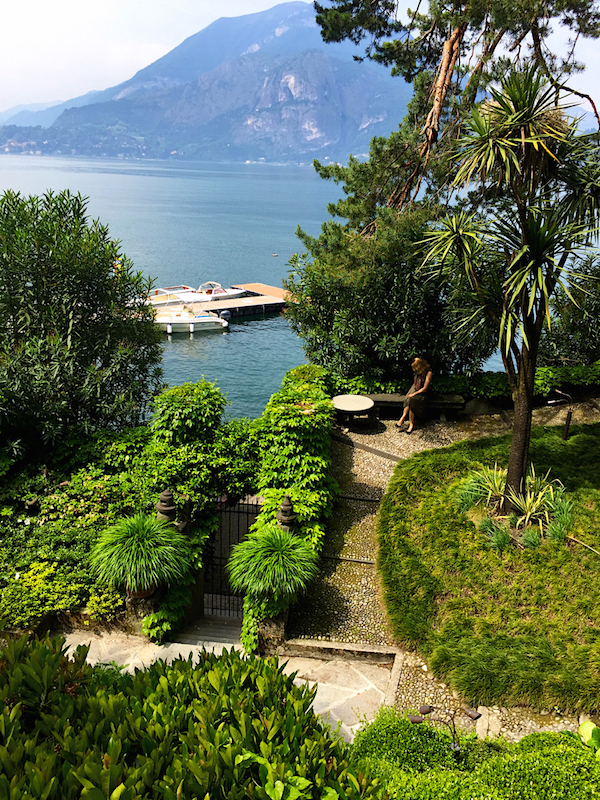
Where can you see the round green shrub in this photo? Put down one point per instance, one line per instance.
(545, 740)
(141, 552)
(391, 737)
(272, 563)
(563, 773)
(188, 413)
(475, 752)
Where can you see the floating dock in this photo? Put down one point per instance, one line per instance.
(262, 299)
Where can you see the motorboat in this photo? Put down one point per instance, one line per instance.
(186, 320)
(205, 293)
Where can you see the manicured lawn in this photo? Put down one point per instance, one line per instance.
(518, 627)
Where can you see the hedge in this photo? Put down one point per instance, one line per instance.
(227, 727)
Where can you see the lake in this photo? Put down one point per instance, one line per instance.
(192, 222)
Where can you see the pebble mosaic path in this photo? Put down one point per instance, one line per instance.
(346, 606)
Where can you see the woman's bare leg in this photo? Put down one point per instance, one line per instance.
(403, 417)
(411, 420)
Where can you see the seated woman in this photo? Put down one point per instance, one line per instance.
(416, 399)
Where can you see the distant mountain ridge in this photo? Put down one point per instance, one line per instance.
(260, 86)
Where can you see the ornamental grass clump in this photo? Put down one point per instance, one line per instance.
(540, 512)
(140, 553)
(272, 563)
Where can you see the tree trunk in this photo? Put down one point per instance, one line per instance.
(521, 435)
(519, 445)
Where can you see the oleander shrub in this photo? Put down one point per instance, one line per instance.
(225, 727)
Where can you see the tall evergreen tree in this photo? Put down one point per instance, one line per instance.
(449, 52)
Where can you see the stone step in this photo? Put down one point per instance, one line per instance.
(211, 629)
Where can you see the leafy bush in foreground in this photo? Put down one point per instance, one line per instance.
(227, 727)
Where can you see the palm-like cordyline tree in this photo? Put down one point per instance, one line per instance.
(538, 187)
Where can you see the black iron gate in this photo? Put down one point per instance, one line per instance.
(234, 522)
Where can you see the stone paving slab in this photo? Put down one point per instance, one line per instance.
(348, 693)
(136, 652)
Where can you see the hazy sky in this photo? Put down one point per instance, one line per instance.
(58, 50)
(52, 51)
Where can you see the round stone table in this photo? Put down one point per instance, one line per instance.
(351, 405)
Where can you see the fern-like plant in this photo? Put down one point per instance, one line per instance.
(139, 553)
(484, 486)
(538, 500)
(272, 563)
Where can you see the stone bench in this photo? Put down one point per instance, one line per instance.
(388, 406)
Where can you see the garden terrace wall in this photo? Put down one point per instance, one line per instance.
(294, 461)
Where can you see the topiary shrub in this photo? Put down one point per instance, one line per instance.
(392, 738)
(188, 413)
(140, 553)
(547, 739)
(560, 772)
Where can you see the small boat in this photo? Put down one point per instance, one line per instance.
(205, 293)
(186, 320)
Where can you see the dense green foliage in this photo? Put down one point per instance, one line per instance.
(294, 460)
(416, 763)
(54, 512)
(517, 627)
(227, 727)
(272, 563)
(392, 738)
(78, 347)
(362, 309)
(188, 413)
(573, 340)
(487, 385)
(140, 553)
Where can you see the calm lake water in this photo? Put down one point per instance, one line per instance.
(192, 222)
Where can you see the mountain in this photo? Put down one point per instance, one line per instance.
(260, 86)
(17, 112)
(46, 113)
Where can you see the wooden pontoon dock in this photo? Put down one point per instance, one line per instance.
(262, 299)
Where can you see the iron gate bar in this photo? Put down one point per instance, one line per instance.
(234, 523)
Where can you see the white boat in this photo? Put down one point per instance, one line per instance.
(205, 293)
(186, 320)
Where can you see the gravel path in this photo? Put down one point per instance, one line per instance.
(346, 603)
